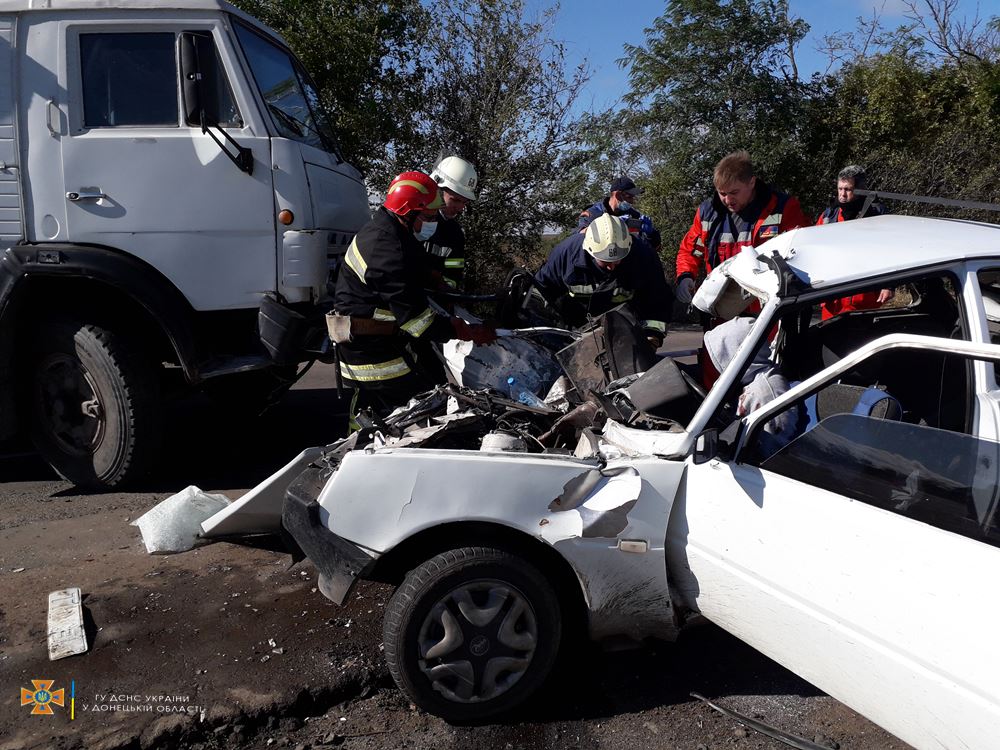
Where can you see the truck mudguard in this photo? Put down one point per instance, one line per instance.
(146, 286)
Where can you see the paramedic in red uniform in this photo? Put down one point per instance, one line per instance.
(744, 212)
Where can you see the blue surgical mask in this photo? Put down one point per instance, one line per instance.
(624, 207)
(427, 230)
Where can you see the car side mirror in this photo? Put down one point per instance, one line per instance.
(706, 446)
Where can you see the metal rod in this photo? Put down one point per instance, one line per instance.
(977, 205)
(800, 743)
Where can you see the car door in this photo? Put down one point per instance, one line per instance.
(862, 555)
(139, 176)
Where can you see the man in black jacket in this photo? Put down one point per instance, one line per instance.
(380, 302)
(588, 274)
(456, 179)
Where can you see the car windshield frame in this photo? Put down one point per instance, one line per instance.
(293, 106)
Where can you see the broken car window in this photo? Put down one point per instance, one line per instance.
(895, 444)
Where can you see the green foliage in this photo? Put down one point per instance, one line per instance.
(919, 106)
(499, 94)
(715, 76)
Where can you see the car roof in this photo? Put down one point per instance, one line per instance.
(831, 254)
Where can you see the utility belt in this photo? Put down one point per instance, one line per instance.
(343, 328)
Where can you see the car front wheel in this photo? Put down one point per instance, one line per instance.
(472, 633)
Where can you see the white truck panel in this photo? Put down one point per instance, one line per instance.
(11, 214)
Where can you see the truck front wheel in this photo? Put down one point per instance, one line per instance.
(95, 415)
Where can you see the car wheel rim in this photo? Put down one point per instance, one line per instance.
(69, 405)
(477, 641)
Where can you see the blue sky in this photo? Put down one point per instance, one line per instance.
(597, 29)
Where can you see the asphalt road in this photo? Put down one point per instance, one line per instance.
(230, 647)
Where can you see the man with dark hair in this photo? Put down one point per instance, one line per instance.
(743, 212)
(621, 200)
(846, 205)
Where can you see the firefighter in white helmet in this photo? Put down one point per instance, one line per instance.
(591, 272)
(457, 179)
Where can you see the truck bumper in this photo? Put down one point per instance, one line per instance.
(340, 563)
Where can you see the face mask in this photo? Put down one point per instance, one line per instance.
(624, 207)
(427, 230)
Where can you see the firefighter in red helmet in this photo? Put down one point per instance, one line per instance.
(380, 304)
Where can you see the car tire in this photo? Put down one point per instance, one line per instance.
(94, 403)
(472, 633)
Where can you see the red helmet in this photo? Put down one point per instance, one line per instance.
(412, 191)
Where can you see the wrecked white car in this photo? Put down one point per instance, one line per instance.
(846, 525)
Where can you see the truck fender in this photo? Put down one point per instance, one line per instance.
(142, 283)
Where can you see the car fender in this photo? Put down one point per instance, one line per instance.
(607, 520)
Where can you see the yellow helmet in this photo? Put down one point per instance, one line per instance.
(607, 238)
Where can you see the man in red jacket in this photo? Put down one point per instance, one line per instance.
(847, 207)
(744, 212)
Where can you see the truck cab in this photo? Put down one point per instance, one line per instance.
(170, 195)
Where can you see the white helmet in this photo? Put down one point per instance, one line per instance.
(607, 238)
(457, 175)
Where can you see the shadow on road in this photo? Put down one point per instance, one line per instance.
(207, 446)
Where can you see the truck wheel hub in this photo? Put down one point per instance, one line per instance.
(69, 404)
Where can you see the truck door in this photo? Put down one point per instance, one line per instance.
(139, 175)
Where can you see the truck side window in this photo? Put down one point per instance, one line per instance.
(129, 79)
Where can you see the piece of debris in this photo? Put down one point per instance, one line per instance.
(174, 525)
(18, 570)
(801, 743)
(65, 627)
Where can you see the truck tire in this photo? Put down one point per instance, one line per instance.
(95, 413)
(472, 633)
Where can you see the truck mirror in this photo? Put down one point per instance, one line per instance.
(193, 52)
(198, 61)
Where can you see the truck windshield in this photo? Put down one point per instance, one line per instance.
(288, 91)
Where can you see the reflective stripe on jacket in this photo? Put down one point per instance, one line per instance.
(383, 279)
(446, 251)
(572, 281)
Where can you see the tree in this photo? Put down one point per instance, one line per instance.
(919, 105)
(715, 76)
(366, 58)
(499, 94)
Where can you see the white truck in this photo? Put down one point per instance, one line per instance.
(170, 193)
